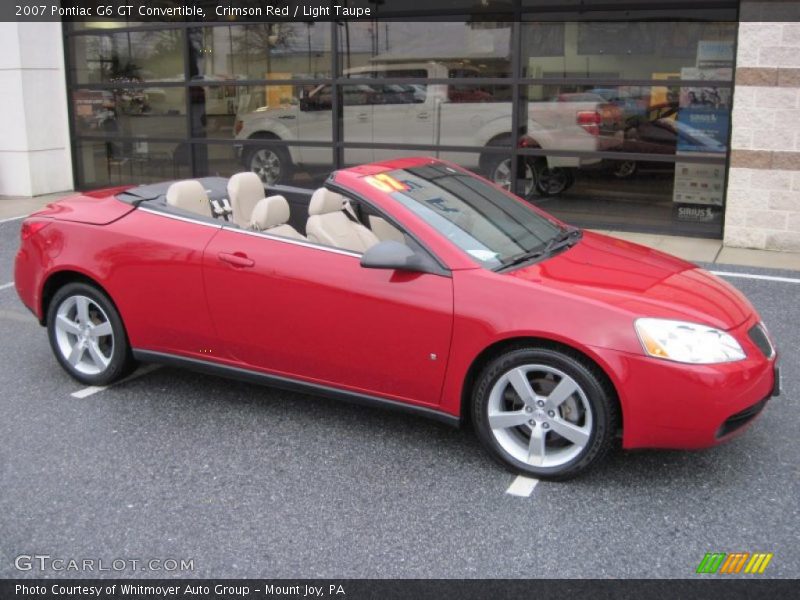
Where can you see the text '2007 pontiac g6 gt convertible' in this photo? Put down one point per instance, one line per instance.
(412, 284)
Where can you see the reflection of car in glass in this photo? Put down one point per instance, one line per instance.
(436, 114)
(661, 132)
(631, 100)
(411, 284)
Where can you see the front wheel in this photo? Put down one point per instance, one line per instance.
(551, 181)
(87, 335)
(544, 413)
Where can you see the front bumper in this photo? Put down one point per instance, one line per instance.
(673, 405)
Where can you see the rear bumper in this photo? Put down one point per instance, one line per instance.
(673, 405)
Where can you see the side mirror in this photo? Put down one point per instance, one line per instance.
(391, 254)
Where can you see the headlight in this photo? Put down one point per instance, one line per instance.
(687, 342)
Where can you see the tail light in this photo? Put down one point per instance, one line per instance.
(590, 120)
(527, 142)
(31, 228)
(237, 126)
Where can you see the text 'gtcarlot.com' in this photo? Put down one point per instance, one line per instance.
(45, 562)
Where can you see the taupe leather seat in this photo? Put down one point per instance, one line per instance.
(271, 215)
(245, 190)
(328, 224)
(189, 195)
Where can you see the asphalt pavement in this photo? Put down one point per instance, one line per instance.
(248, 481)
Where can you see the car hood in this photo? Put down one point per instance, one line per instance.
(640, 280)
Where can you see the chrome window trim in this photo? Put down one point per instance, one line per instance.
(262, 234)
(178, 217)
(292, 241)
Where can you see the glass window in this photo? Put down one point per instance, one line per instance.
(261, 51)
(480, 48)
(435, 114)
(107, 163)
(628, 49)
(141, 111)
(136, 56)
(667, 119)
(288, 112)
(225, 159)
(676, 198)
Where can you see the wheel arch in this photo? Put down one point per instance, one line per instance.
(265, 134)
(505, 345)
(58, 279)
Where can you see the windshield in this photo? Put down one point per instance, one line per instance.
(484, 222)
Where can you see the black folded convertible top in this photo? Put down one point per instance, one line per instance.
(216, 188)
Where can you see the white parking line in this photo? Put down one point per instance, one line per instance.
(93, 389)
(6, 285)
(9, 219)
(754, 276)
(88, 391)
(522, 486)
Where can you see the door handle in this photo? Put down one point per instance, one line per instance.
(362, 116)
(236, 259)
(423, 115)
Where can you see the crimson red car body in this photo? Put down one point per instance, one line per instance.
(411, 339)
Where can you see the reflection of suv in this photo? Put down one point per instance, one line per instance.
(434, 114)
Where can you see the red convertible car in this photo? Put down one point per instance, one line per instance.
(412, 284)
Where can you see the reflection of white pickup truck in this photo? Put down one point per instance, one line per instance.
(435, 114)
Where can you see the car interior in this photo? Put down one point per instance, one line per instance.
(321, 216)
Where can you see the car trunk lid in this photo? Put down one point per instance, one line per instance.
(100, 207)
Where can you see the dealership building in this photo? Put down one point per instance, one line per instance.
(677, 118)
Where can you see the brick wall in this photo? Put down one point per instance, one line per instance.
(763, 196)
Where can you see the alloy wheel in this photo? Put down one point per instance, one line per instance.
(84, 335)
(552, 182)
(539, 415)
(266, 163)
(625, 168)
(502, 177)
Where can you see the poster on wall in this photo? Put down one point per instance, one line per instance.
(702, 128)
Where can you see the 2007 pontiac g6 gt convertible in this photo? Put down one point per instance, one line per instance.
(412, 284)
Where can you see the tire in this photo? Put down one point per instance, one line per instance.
(624, 169)
(551, 181)
(497, 169)
(78, 318)
(525, 435)
(271, 163)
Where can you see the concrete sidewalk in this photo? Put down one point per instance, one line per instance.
(711, 251)
(16, 206)
(693, 249)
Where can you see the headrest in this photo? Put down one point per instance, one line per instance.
(324, 201)
(245, 185)
(270, 212)
(189, 195)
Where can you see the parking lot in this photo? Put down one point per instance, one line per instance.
(253, 482)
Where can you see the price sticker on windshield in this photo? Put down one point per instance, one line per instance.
(386, 183)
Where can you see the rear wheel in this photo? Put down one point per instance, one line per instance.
(497, 168)
(270, 163)
(87, 335)
(499, 172)
(544, 413)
